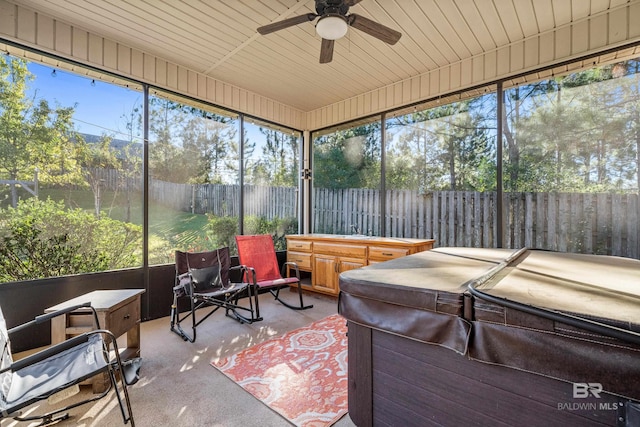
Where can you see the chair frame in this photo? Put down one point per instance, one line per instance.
(216, 300)
(274, 288)
(112, 367)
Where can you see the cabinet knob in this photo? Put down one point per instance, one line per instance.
(126, 316)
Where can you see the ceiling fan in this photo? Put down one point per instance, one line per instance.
(334, 23)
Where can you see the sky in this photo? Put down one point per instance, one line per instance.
(99, 106)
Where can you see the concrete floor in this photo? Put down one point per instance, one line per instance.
(179, 387)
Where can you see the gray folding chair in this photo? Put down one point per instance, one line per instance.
(55, 369)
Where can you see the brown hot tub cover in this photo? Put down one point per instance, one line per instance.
(572, 317)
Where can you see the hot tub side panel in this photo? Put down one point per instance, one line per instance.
(401, 381)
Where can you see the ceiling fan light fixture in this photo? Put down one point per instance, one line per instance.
(332, 27)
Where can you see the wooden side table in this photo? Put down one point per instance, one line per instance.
(118, 311)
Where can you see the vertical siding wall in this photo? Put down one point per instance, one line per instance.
(39, 31)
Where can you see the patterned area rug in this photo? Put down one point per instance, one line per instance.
(302, 374)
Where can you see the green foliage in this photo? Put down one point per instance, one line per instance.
(278, 165)
(190, 145)
(443, 148)
(348, 158)
(277, 227)
(221, 231)
(575, 133)
(33, 135)
(41, 239)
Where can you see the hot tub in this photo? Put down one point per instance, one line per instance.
(462, 336)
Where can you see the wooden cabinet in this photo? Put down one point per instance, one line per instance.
(380, 254)
(331, 259)
(299, 251)
(325, 256)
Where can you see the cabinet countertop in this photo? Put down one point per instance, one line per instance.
(355, 238)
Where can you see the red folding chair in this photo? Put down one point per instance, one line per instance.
(257, 253)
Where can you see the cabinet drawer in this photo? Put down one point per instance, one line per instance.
(298, 246)
(350, 251)
(124, 318)
(378, 253)
(303, 260)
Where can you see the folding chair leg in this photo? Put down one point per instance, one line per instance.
(48, 419)
(276, 295)
(126, 395)
(256, 298)
(175, 320)
(61, 413)
(255, 312)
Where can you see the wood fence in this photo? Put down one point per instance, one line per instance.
(224, 200)
(599, 223)
(568, 222)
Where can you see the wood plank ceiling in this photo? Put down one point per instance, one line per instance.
(219, 38)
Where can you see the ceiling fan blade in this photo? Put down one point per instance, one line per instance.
(286, 23)
(326, 51)
(375, 29)
(351, 2)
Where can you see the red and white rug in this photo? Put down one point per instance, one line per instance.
(302, 374)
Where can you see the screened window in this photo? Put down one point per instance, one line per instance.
(194, 190)
(70, 165)
(571, 161)
(346, 180)
(271, 165)
(441, 172)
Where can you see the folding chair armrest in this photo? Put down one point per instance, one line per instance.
(48, 316)
(292, 265)
(243, 271)
(184, 281)
(250, 274)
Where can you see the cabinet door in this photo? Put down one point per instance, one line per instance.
(350, 264)
(346, 264)
(324, 274)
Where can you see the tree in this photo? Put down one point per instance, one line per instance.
(278, 165)
(446, 147)
(167, 159)
(206, 141)
(34, 136)
(190, 145)
(97, 158)
(571, 133)
(131, 161)
(348, 158)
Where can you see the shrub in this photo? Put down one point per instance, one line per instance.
(221, 231)
(44, 239)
